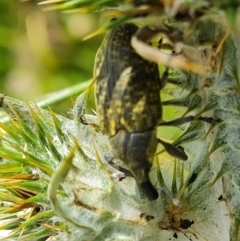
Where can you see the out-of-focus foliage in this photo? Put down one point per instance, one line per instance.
(42, 51)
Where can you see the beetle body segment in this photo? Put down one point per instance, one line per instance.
(128, 103)
(127, 86)
(135, 149)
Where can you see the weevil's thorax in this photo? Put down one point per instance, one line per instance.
(136, 150)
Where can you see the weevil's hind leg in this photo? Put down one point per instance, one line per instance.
(173, 150)
(177, 151)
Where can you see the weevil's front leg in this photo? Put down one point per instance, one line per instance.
(146, 186)
(125, 172)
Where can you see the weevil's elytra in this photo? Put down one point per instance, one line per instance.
(125, 99)
(129, 105)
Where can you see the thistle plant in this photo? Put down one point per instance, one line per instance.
(56, 180)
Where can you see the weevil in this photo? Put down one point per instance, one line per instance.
(129, 106)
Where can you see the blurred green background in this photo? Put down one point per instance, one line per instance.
(42, 51)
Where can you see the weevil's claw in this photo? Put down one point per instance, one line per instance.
(149, 190)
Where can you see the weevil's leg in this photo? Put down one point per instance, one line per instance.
(178, 152)
(183, 120)
(147, 187)
(125, 171)
(173, 150)
(81, 104)
(109, 157)
(209, 120)
(178, 121)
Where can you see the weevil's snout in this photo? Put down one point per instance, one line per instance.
(149, 190)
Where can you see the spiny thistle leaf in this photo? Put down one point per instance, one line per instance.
(57, 126)
(34, 157)
(36, 218)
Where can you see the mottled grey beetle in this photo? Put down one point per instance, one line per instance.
(129, 105)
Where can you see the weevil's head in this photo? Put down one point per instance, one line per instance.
(136, 151)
